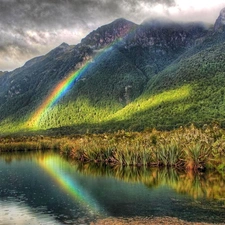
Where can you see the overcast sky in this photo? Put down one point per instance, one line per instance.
(30, 28)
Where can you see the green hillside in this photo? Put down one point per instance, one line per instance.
(98, 94)
(155, 75)
(190, 91)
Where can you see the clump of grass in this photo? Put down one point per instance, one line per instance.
(9, 147)
(197, 154)
(170, 155)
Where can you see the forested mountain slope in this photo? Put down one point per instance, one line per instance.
(159, 74)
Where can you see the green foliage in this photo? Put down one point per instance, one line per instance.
(133, 85)
(185, 148)
(189, 148)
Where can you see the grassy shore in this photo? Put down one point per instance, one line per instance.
(188, 148)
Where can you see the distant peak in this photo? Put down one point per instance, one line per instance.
(60, 49)
(220, 22)
(222, 12)
(108, 33)
(122, 20)
(64, 45)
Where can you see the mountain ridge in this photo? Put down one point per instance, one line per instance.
(123, 64)
(220, 22)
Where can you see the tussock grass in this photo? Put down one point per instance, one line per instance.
(25, 144)
(187, 148)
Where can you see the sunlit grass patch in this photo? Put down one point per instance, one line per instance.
(144, 103)
(71, 113)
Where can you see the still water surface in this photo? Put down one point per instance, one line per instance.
(44, 188)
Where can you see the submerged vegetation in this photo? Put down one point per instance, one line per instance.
(190, 148)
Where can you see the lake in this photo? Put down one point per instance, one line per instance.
(45, 188)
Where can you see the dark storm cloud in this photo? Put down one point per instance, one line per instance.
(62, 13)
(28, 25)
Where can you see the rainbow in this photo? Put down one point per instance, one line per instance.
(56, 94)
(55, 167)
(63, 87)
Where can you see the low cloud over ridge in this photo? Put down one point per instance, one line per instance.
(29, 28)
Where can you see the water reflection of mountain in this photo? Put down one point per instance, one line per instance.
(210, 185)
(49, 184)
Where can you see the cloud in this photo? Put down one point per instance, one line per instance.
(63, 13)
(192, 10)
(33, 27)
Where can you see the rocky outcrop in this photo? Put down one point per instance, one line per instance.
(167, 34)
(109, 33)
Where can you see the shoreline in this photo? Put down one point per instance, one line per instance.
(186, 148)
(148, 221)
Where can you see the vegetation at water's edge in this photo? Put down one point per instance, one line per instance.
(209, 185)
(184, 148)
(189, 148)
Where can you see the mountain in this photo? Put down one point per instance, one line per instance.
(109, 33)
(159, 74)
(2, 72)
(220, 22)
